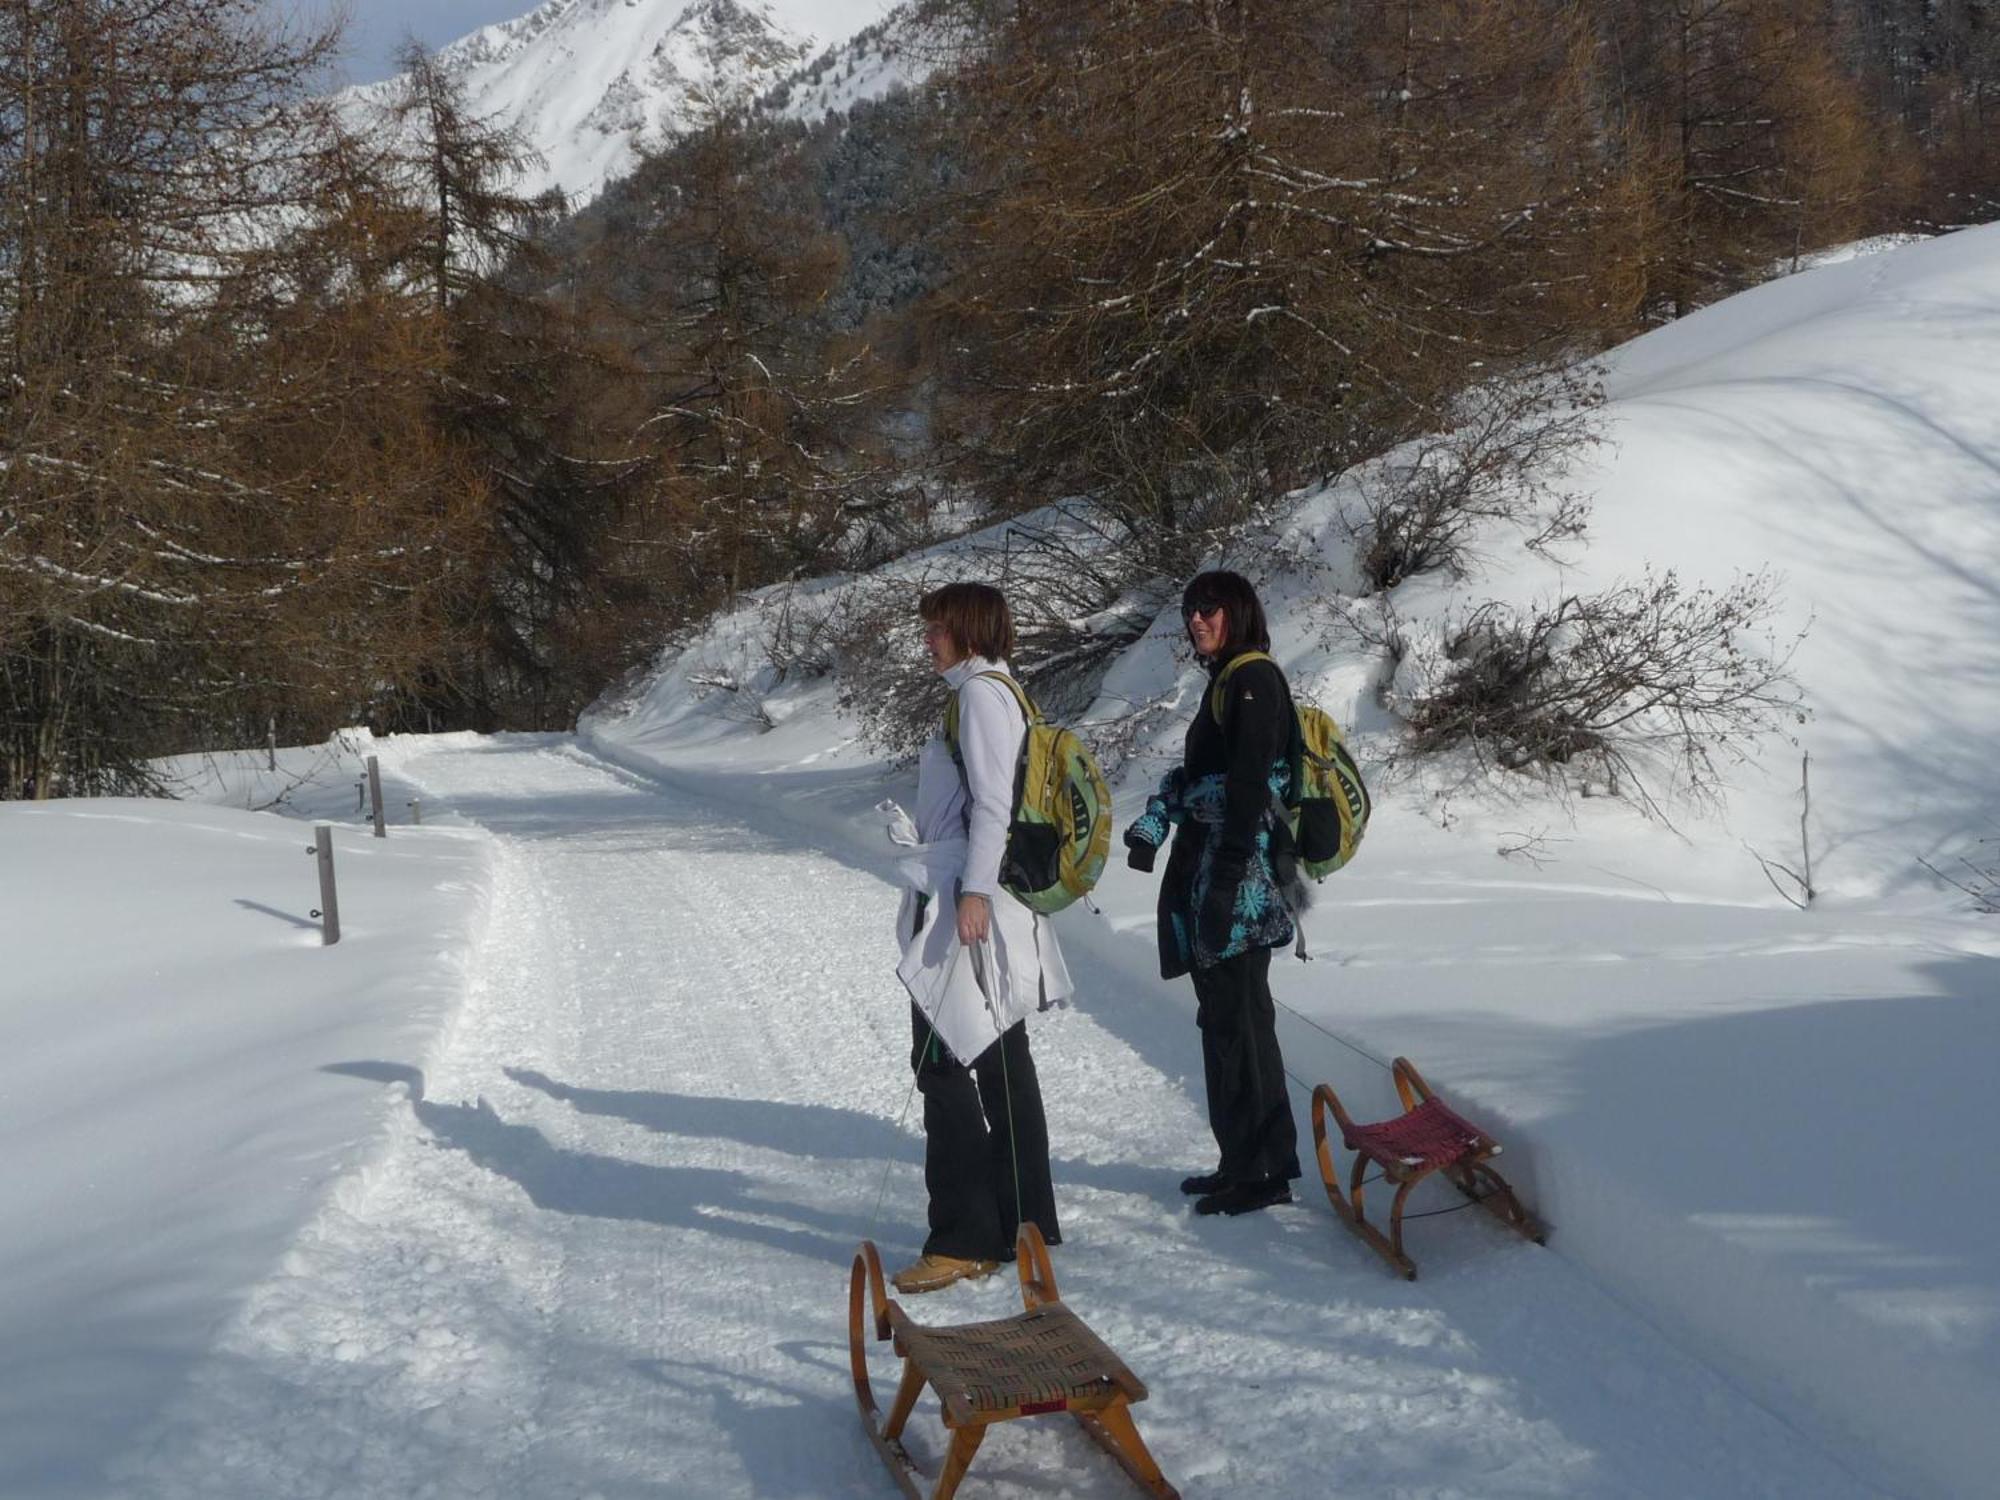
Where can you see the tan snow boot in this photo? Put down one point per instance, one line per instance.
(930, 1273)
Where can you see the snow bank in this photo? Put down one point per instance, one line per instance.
(186, 1073)
(1759, 1126)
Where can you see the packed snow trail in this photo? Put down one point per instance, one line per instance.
(604, 1253)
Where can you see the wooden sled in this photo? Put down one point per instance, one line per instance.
(1427, 1137)
(1041, 1360)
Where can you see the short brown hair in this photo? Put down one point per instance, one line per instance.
(1248, 630)
(976, 617)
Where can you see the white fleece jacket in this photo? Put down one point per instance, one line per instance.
(962, 825)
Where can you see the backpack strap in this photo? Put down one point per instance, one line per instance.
(1028, 712)
(1215, 693)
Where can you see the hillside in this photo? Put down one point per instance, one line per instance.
(1672, 668)
(1671, 1044)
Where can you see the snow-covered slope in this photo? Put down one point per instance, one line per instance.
(469, 1204)
(1839, 427)
(592, 84)
(1760, 1125)
(187, 1076)
(891, 54)
(602, 1242)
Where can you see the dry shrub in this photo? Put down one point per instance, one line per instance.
(1977, 874)
(1641, 677)
(1080, 593)
(1505, 461)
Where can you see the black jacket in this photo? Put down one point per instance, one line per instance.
(1225, 886)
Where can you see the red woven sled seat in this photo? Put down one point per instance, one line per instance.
(1425, 1139)
(1429, 1136)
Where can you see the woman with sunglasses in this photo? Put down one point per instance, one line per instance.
(1230, 885)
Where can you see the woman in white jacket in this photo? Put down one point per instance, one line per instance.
(976, 961)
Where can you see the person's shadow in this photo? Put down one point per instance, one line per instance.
(804, 1130)
(603, 1187)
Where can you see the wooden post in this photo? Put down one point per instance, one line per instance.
(271, 744)
(375, 795)
(329, 901)
(360, 793)
(1805, 812)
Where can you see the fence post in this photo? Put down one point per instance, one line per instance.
(329, 901)
(375, 795)
(271, 744)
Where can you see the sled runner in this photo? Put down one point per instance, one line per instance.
(1040, 1360)
(1427, 1137)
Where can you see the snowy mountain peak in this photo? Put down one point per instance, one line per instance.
(593, 84)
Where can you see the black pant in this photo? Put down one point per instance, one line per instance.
(1248, 1108)
(986, 1145)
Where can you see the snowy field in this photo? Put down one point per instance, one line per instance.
(544, 1182)
(187, 1078)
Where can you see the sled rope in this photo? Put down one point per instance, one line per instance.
(882, 1188)
(930, 1019)
(1331, 1035)
(1007, 1085)
(1013, 1149)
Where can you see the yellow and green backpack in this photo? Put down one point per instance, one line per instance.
(1060, 831)
(1328, 807)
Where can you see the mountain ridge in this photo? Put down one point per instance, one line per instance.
(593, 85)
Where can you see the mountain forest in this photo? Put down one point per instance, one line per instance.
(314, 419)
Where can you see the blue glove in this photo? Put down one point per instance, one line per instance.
(1149, 830)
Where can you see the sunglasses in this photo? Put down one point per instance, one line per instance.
(1199, 609)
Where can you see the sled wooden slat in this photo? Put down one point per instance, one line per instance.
(1043, 1359)
(1426, 1138)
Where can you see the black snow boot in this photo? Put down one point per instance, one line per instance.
(1245, 1197)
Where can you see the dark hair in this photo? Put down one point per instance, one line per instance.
(1248, 630)
(976, 617)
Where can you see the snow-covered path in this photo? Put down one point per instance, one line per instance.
(604, 1253)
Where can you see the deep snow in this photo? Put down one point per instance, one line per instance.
(1760, 1126)
(544, 1181)
(184, 1080)
(600, 1245)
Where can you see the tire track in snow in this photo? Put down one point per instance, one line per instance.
(604, 1252)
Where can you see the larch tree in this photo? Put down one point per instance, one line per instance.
(521, 395)
(758, 425)
(1747, 137)
(1219, 246)
(141, 149)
